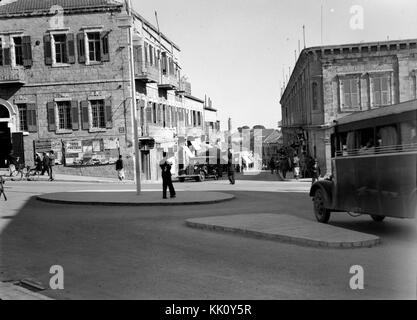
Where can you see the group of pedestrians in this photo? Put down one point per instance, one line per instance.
(286, 164)
(42, 165)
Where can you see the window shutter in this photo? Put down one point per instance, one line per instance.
(164, 62)
(160, 114)
(137, 57)
(342, 94)
(81, 47)
(148, 115)
(50, 106)
(47, 49)
(7, 57)
(75, 119)
(105, 56)
(109, 113)
(84, 115)
(71, 47)
(27, 51)
(139, 53)
(146, 53)
(31, 117)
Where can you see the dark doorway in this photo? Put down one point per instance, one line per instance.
(18, 147)
(146, 165)
(5, 144)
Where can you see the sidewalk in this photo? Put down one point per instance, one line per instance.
(286, 228)
(66, 178)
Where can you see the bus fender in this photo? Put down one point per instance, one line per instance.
(326, 186)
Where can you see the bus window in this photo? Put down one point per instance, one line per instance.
(351, 142)
(408, 133)
(387, 136)
(367, 138)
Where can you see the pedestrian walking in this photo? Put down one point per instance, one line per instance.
(45, 164)
(296, 165)
(51, 165)
(230, 168)
(315, 171)
(120, 168)
(272, 165)
(12, 162)
(2, 188)
(166, 177)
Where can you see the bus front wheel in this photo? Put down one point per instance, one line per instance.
(320, 211)
(377, 218)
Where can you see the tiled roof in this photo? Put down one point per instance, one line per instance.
(34, 7)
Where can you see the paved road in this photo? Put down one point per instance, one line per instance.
(149, 253)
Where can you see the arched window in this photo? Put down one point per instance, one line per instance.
(4, 112)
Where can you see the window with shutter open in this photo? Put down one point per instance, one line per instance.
(81, 47)
(27, 51)
(105, 55)
(31, 119)
(85, 115)
(109, 113)
(71, 48)
(47, 49)
(50, 106)
(75, 115)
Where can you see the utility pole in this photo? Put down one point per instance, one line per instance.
(133, 104)
(304, 35)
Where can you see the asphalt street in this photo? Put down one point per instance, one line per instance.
(149, 253)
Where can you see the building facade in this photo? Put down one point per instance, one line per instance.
(65, 86)
(330, 82)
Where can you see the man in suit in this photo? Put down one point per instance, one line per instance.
(166, 177)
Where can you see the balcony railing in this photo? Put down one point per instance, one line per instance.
(9, 75)
(169, 82)
(146, 72)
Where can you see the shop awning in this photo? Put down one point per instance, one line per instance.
(188, 152)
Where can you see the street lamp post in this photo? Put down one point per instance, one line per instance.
(133, 104)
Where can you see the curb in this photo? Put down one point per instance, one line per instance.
(135, 204)
(284, 238)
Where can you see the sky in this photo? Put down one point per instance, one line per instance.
(235, 51)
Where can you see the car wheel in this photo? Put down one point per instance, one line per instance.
(202, 176)
(377, 218)
(320, 211)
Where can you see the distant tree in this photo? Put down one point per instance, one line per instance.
(258, 126)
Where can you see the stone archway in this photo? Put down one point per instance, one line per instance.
(7, 108)
(8, 124)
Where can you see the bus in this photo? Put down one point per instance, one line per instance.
(374, 164)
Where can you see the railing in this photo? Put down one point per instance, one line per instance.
(401, 148)
(170, 81)
(144, 71)
(12, 75)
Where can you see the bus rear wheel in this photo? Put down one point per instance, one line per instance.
(377, 218)
(320, 211)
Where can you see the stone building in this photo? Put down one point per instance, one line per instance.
(330, 82)
(65, 86)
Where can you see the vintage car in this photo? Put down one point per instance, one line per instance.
(199, 169)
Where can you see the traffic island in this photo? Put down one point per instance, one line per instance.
(130, 198)
(287, 228)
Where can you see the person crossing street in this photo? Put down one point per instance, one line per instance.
(166, 177)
